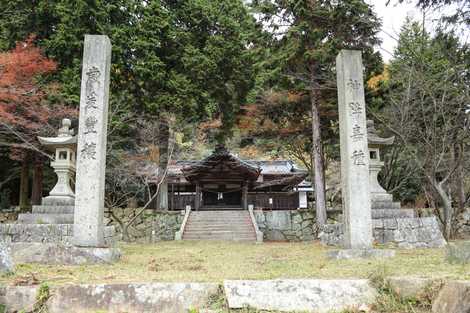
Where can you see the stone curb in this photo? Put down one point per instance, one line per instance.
(114, 298)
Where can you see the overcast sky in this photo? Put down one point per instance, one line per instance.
(393, 17)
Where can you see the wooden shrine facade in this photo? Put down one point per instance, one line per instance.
(223, 181)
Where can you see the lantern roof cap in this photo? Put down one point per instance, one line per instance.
(374, 139)
(65, 137)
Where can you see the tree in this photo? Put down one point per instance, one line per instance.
(137, 173)
(307, 35)
(25, 112)
(192, 58)
(428, 98)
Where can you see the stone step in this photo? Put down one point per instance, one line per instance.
(219, 212)
(53, 209)
(385, 205)
(38, 218)
(229, 236)
(217, 229)
(219, 215)
(391, 213)
(213, 222)
(56, 200)
(219, 225)
(385, 197)
(222, 239)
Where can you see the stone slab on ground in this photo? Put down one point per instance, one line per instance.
(346, 254)
(454, 297)
(53, 253)
(458, 252)
(6, 263)
(306, 295)
(18, 298)
(113, 298)
(410, 287)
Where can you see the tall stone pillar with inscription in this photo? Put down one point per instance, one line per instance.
(88, 228)
(354, 151)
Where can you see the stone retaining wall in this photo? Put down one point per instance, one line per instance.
(463, 224)
(51, 233)
(8, 217)
(291, 225)
(150, 226)
(423, 232)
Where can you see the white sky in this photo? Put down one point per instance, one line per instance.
(393, 16)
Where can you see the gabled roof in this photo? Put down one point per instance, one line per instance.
(221, 163)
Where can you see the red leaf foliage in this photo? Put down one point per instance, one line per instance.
(23, 106)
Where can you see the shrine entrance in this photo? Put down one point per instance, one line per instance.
(221, 181)
(221, 196)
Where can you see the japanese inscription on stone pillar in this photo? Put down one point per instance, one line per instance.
(91, 159)
(354, 151)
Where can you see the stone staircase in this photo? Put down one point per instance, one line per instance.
(233, 225)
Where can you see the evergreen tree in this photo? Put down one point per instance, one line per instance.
(427, 101)
(192, 58)
(307, 36)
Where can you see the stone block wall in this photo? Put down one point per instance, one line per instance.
(423, 232)
(8, 217)
(150, 226)
(36, 233)
(290, 225)
(463, 224)
(45, 233)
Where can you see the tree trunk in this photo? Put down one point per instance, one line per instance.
(36, 193)
(319, 169)
(447, 207)
(24, 185)
(459, 179)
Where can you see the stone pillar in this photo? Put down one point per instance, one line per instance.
(88, 227)
(354, 151)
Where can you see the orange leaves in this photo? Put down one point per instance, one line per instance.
(374, 82)
(24, 111)
(20, 94)
(20, 66)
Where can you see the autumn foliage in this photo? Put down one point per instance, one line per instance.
(24, 111)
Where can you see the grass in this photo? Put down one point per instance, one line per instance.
(192, 261)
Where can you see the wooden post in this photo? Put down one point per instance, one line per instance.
(245, 195)
(198, 197)
(24, 185)
(172, 201)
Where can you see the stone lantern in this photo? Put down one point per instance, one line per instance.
(375, 143)
(64, 146)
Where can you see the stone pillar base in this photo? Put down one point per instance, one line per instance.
(360, 254)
